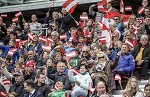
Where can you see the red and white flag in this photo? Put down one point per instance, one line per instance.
(102, 39)
(128, 8)
(63, 37)
(70, 55)
(6, 81)
(87, 33)
(51, 4)
(102, 6)
(75, 71)
(3, 93)
(70, 5)
(140, 20)
(4, 15)
(135, 29)
(126, 19)
(90, 87)
(30, 36)
(83, 17)
(23, 42)
(129, 43)
(141, 10)
(12, 51)
(18, 14)
(118, 77)
(46, 48)
(18, 40)
(42, 39)
(15, 19)
(50, 40)
(121, 6)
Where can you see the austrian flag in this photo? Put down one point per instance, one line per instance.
(12, 51)
(63, 36)
(83, 17)
(4, 15)
(128, 8)
(141, 10)
(46, 48)
(18, 14)
(129, 43)
(70, 5)
(15, 19)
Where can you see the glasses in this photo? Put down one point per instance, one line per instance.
(116, 19)
(101, 57)
(85, 51)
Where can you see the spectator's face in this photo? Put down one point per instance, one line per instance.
(144, 41)
(146, 12)
(147, 91)
(41, 79)
(133, 83)
(85, 51)
(8, 31)
(54, 36)
(18, 78)
(84, 29)
(45, 55)
(84, 14)
(26, 87)
(61, 67)
(11, 43)
(26, 26)
(12, 36)
(54, 27)
(49, 62)
(30, 54)
(124, 49)
(82, 69)
(89, 23)
(58, 57)
(101, 58)
(34, 18)
(100, 88)
(95, 34)
(144, 3)
(14, 25)
(64, 11)
(132, 18)
(147, 21)
(35, 38)
(116, 20)
(55, 15)
(59, 85)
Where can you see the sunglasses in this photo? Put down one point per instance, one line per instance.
(85, 51)
(101, 57)
(116, 19)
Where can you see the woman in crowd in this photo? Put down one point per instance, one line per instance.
(82, 81)
(132, 88)
(147, 90)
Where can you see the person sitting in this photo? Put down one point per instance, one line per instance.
(59, 91)
(126, 64)
(82, 81)
(103, 70)
(132, 88)
(101, 89)
(147, 90)
(142, 55)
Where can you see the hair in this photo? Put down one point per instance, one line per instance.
(147, 85)
(83, 65)
(73, 28)
(30, 83)
(128, 88)
(55, 32)
(14, 33)
(103, 54)
(144, 36)
(38, 75)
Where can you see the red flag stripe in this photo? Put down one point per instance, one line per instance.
(15, 19)
(121, 6)
(70, 5)
(129, 43)
(128, 8)
(18, 14)
(30, 36)
(46, 48)
(84, 17)
(4, 15)
(141, 10)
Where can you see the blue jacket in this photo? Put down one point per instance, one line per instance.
(126, 63)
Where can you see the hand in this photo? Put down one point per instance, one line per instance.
(78, 83)
(93, 75)
(93, 5)
(119, 53)
(140, 63)
(120, 70)
(77, 23)
(47, 14)
(60, 15)
(69, 67)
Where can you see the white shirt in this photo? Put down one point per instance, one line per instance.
(31, 93)
(35, 26)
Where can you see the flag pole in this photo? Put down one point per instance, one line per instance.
(72, 17)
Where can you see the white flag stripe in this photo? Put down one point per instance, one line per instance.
(129, 43)
(73, 3)
(4, 94)
(70, 54)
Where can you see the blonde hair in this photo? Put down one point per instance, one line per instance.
(128, 89)
(103, 54)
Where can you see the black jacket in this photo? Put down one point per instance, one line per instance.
(44, 89)
(145, 54)
(59, 77)
(36, 94)
(18, 88)
(31, 76)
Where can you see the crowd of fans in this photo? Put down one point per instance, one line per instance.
(74, 61)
